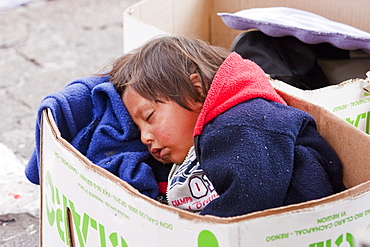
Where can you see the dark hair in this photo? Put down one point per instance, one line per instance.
(160, 69)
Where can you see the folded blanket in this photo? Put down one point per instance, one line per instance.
(92, 117)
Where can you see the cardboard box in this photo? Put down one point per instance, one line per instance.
(85, 205)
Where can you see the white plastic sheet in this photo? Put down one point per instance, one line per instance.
(17, 194)
(8, 4)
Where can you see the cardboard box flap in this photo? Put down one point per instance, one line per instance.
(349, 100)
(350, 89)
(165, 17)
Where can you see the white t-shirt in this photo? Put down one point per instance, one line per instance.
(188, 186)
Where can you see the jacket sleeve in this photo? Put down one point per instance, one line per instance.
(249, 167)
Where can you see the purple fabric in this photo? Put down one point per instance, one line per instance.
(306, 26)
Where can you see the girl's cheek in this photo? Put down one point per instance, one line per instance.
(166, 134)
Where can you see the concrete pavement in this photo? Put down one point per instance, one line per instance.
(43, 46)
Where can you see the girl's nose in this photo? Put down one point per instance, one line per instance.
(146, 137)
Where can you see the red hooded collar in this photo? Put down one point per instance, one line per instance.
(237, 80)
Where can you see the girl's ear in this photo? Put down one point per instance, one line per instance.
(195, 79)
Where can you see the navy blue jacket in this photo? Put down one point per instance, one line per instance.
(258, 152)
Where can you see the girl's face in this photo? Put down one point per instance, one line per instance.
(166, 128)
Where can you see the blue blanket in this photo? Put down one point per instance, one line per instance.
(92, 117)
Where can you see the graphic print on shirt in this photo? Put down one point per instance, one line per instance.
(188, 187)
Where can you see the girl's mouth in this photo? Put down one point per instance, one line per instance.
(157, 153)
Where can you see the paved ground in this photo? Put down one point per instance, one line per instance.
(43, 46)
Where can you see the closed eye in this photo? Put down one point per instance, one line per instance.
(150, 115)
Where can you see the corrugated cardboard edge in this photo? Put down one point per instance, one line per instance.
(41, 180)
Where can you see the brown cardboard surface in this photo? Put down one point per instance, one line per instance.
(171, 16)
(350, 143)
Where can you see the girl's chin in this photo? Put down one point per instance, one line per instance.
(172, 160)
(178, 162)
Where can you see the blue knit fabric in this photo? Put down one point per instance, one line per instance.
(262, 154)
(92, 117)
(258, 152)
